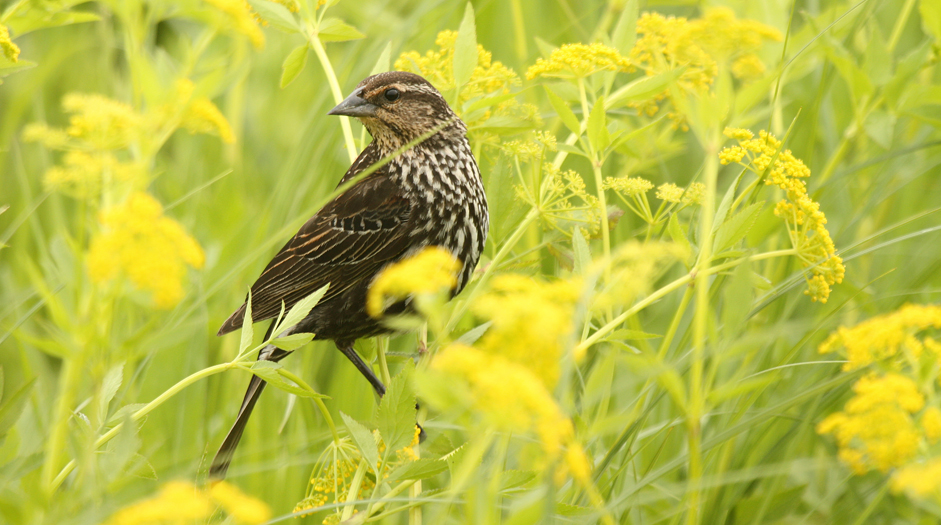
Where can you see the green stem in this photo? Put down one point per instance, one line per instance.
(143, 411)
(351, 496)
(321, 53)
(900, 25)
(382, 346)
(660, 293)
(326, 415)
(68, 384)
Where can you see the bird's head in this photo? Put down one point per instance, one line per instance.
(398, 107)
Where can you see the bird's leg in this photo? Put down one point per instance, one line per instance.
(366, 370)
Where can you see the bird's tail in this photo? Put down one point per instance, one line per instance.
(220, 464)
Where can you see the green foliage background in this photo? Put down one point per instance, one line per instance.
(859, 81)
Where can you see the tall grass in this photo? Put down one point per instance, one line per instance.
(686, 365)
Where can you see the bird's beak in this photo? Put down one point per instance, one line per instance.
(354, 106)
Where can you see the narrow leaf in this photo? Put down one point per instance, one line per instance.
(422, 468)
(734, 230)
(248, 331)
(293, 64)
(678, 234)
(471, 336)
(465, 48)
(581, 251)
(270, 372)
(300, 310)
(336, 30)
(564, 112)
(13, 406)
(397, 411)
(364, 439)
(293, 341)
(597, 127)
(275, 14)
(109, 387)
(385, 59)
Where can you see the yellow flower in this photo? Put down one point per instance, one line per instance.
(628, 186)
(631, 271)
(562, 200)
(489, 77)
(177, 502)
(508, 394)
(931, 423)
(578, 61)
(532, 322)
(427, 272)
(672, 193)
(886, 336)
(148, 248)
(805, 222)
(202, 116)
(333, 475)
(9, 49)
(53, 138)
(700, 46)
(918, 479)
(100, 121)
(84, 175)
(876, 428)
(244, 509)
(239, 17)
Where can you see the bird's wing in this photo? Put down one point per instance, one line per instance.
(348, 240)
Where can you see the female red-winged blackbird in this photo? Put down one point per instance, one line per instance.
(430, 195)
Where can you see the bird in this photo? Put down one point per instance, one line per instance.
(429, 194)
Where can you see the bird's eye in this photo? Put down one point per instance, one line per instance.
(391, 94)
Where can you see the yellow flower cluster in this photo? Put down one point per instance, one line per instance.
(152, 250)
(240, 19)
(428, 272)
(877, 427)
(628, 186)
(701, 46)
(563, 201)
(182, 502)
(805, 222)
(578, 61)
(892, 339)
(918, 479)
(7, 47)
(99, 125)
(532, 322)
(513, 398)
(333, 475)
(83, 175)
(670, 192)
(336, 466)
(489, 77)
(531, 150)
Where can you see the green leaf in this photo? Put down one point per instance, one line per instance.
(33, 19)
(678, 234)
(300, 310)
(471, 336)
(126, 410)
(465, 48)
(364, 439)
(248, 331)
(294, 64)
(8, 68)
(336, 30)
(597, 127)
(13, 406)
(109, 387)
(271, 373)
(930, 11)
(625, 334)
(511, 479)
(564, 112)
(385, 60)
(736, 228)
(276, 15)
(293, 341)
(487, 102)
(397, 411)
(581, 251)
(737, 298)
(625, 32)
(422, 468)
(643, 88)
(723, 210)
